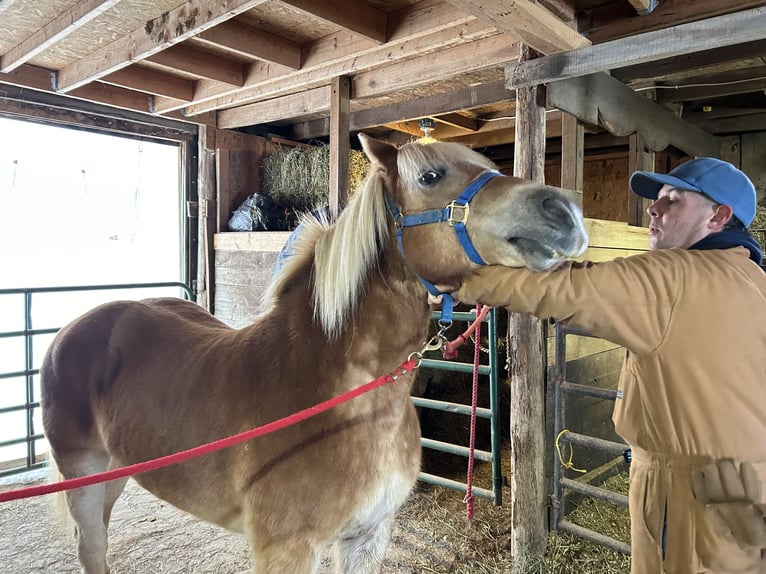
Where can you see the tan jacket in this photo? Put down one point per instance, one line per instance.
(694, 324)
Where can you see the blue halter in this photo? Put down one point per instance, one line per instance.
(456, 214)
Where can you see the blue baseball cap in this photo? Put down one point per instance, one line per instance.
(718, 179)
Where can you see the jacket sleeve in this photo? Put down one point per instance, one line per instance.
(628, 301)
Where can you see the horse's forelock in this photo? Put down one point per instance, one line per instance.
(346, 253)
(414, 158)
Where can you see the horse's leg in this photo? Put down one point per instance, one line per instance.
(87, 506)
(113, 490)
(360, 549)
(292, 556)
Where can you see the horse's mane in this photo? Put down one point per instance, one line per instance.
(344, 253)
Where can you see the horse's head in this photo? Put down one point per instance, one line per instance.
(508, 221)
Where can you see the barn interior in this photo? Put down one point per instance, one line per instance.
(621, 85)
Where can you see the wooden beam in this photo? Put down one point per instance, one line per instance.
(695, 64)
(572, 152)
(54, 31)
(639, 159)
(526, 360)
(249, 42)
(463, 99)
(308, 102)
(340, 95)
(668, 12)
(527, 20)
(643, 6)
(40, 79)
(715, 32)
(174, 26)
(427, 25)
(200, 64)
(356, 17)
(599, 99)
(448, 63)
(152, 82)
(411, 73)
(458, 121)
(741, 124)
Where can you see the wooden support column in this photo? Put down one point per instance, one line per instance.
(572, 152)
(526, 353)
(340, 108)
(639, 158)
(208, 216)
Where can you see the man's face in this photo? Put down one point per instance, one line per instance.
(679, 218)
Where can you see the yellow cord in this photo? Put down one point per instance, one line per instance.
(568, 464)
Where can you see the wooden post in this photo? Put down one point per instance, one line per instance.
(639, 158)
(527, 355)
(208, 211)
(572, 152)
(340, 108)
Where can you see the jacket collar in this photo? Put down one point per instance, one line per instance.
(731, 238)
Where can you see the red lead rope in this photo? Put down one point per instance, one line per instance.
(409, 365)
(469, 496)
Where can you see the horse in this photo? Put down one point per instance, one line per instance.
(132, 380)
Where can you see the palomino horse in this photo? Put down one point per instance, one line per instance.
(130, 381)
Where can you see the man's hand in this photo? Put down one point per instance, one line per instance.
(733, 501)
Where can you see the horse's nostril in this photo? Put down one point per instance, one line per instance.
(556, 211)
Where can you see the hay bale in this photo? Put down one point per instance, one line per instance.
(300, 177)
(758, 227)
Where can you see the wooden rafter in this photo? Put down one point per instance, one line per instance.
(339, 55)
(464, 99)
(54, 31)
(200, 64)
(152, 82)
(293, 105)
(403, 75)
(250, 42)
(184, 21)
(642, 6)
(669, 11)
(448, 63)
(726, 30)
(459, 121)
(527, 20)
(354, 16)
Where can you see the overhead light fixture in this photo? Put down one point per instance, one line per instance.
(427, 125)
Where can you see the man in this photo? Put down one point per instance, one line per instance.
(691, 313)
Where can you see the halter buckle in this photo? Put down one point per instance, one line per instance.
(452, 218)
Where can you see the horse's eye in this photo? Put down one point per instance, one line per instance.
(429, 178)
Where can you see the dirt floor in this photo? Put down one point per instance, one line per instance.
(148, 536)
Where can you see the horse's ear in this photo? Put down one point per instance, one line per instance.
(381, 154)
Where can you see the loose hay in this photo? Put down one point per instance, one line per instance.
(300, 177)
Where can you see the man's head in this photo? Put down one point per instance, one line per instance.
(699, 197)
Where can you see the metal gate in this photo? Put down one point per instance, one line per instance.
(489, 370)
(29, 405)
(562, 484)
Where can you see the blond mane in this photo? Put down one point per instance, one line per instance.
(343, 255)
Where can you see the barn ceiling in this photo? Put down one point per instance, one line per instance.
(268, 66)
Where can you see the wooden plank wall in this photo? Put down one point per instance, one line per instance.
(244, 264)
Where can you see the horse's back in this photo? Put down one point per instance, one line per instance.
(88, 354)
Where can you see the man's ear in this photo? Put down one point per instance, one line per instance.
(721, 216)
